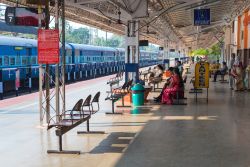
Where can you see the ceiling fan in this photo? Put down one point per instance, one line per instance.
(150, 32)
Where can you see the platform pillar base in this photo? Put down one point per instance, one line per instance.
(63, 152)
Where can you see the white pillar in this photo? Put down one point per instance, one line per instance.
(132, 49)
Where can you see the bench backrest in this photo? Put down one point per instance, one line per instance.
(87, 101)
(95, 100)
(78, 106)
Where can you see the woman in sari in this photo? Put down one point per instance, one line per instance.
(175, 86)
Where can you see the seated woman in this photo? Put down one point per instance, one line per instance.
(167, 84)
(176, 86)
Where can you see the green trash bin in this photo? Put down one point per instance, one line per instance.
(138, 95)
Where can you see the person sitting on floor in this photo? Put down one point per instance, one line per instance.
(176, 86)
(222, 71)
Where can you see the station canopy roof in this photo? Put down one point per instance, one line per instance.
(167, 20)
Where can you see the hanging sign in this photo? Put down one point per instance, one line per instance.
(202, 75)
(201, 17)
(21, 16)
(48, 46)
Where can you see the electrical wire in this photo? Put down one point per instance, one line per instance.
(154, 19)
(110, 18)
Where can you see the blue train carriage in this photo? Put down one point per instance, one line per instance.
(144, 58)
(93, 61)
(16, 54)
(120, 59)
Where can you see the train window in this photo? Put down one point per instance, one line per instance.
(6, 60)
(12, 61)
(18, 60)
(28, 52)
(33, 60)
(25, 61)
(68, 59)
(1, 61)
(77, 52)
(68, 52)
(81, 59)
(77, 59)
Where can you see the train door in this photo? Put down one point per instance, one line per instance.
(27, 62)
(28, 69)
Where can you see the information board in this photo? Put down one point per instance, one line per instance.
(48, 46)
(202, 75)
(201, 17)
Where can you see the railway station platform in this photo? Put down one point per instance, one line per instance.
(193, 135)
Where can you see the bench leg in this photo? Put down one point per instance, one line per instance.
(178, 100)
(193, 90)
(90, 132)
(113, 109)
(123, 105)
(61, 151)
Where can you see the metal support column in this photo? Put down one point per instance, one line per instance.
(40, 71)
(47, 76)
(57, 86)
(63, 54)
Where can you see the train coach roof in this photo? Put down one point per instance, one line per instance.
(121, 49)
(16, 41)
(144, 51)
(90, 47)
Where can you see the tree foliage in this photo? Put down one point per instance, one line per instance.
(83, 36)
(200, 52)
(80, 35)
(114, 41)
(212, 53)
(215, 50)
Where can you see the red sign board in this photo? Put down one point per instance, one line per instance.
(48, 46)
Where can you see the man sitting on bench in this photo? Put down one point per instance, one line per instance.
(156, 74)
(221, 71)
